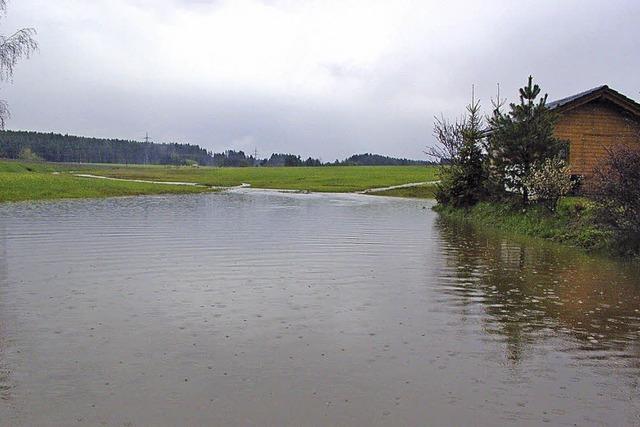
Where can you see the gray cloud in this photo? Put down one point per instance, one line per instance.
(318, 78)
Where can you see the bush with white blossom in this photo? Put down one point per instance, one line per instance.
(549, 181)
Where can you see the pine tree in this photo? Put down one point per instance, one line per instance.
(521, 138)
(463, 179)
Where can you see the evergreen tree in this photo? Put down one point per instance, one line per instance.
(521, 138)
(463, 179)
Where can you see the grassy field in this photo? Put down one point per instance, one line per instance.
(321, 179)
(20, 181)
(33, 181)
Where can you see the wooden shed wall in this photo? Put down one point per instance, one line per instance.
(591, 129)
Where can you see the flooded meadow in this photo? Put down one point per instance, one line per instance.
(261, 308)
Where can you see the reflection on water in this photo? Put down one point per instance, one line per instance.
(257, 308)
(5, 387)
(531, 291)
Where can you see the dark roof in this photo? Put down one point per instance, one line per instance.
(563, 101)
(597, 93)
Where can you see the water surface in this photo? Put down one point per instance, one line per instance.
(258, 308)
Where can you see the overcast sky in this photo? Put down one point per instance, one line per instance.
(320, 78)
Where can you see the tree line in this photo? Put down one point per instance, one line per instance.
(231, 158)
(53, 147)
(369, 159)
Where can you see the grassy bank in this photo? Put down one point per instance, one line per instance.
(27, 181)
(33, 181)
(572, 224)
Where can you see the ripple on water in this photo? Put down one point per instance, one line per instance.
(289, 309)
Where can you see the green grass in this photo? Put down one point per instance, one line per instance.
(24, 167)
(419, 192)
(571, 224)
(33, 180)
(321, 179)
(20, 181)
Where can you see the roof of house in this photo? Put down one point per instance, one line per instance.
(597, 93)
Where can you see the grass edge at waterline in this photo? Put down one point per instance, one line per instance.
(41, 186)
(572, 224)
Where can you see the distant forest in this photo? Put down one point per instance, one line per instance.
(54, 147)
(240, 159)
(378, 160)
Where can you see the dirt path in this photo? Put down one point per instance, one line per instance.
(189, 184)
(394, 187)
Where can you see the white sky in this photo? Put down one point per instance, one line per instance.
(320, 78)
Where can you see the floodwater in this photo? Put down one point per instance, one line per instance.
(257, 308)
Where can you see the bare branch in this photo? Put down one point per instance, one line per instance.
(449, 137)
(5, 114)
(19, 45)
(13, 48)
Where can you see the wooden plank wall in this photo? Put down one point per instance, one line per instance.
(591, 129)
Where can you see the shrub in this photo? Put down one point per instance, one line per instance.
(548, 181)
(616, 188)
(28, 155)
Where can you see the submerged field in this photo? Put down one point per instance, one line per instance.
(33, 181)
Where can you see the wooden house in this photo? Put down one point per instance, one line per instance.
(594, 121)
